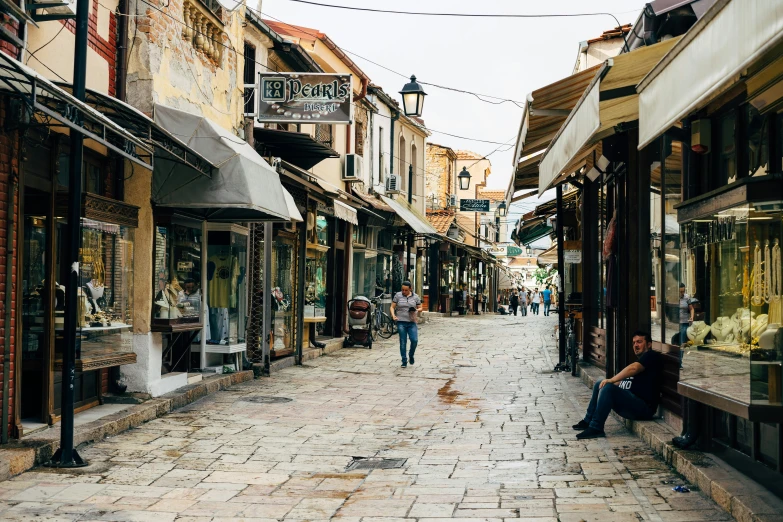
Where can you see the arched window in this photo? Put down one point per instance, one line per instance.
(414, 164)
(402, 172)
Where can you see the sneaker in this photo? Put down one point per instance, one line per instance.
(410, 359)
(581, 425)
(590, 433)
(404, 365)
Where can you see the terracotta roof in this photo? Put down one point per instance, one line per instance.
(296, 31)
(441, 220)
(617, 32)
(466, 154)
(494, 195)
(373, 201)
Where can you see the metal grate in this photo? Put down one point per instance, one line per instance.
(263, 399)
(375, 463)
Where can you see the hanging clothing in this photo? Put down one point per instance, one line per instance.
(224, 278)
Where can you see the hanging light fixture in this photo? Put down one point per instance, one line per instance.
(502, 209)
(464, 179)
(412, 98)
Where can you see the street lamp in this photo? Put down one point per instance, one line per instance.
(464, 179)
(528, 251)
(412, 98)
(502, 209)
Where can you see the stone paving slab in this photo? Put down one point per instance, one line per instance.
(482, 425)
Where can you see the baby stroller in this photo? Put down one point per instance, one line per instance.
(359, 323)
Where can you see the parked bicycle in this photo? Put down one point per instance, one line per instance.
(571, 352)
(382, 323)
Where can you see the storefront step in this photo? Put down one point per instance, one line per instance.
(745, 499)
(20, 456)
(193, 378)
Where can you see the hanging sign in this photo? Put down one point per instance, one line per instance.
(513, 251)
(474, 205)
(305, 98)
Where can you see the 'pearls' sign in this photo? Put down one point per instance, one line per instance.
(304, 98)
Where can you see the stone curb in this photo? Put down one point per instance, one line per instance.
(744, 499)
(20, 456)
(332, 345)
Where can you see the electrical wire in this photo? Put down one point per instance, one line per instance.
(32, 54)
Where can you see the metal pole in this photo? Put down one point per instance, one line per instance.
(300, 284)
(66, 456)
(561, 271)
(266, 292)
(410, 236)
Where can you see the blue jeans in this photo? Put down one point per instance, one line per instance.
(684, 333)
(407, 329)
(612, 397)
(547, 304)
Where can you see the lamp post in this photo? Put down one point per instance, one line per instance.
(502, 209)
(412, 105)
(529, 250)
(464, 179)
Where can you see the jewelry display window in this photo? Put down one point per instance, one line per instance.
(177, 257)
(283, 293)
(732, 274)
(315, 265)
(226, 287)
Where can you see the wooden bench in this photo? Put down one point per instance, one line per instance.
(595, 347)
(670, 399)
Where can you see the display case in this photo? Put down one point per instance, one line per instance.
(731, 260)
(227, 309)
(177, 257)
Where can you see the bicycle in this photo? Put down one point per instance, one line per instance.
(571, 352)
(382, 323)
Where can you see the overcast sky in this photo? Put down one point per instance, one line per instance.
(501, 57)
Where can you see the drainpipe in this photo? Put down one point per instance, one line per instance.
(9, 259)
(122, 48)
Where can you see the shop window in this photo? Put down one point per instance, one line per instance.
(402, 171)
(371, 282)
(657, 308)
(676, 307)
(381, 148)
(757, 129)
(283, 294)
(177, 275)
(726, 149)
(414, 165)
(322, 229)
(769, 444)
(93, 174)
(250, 79)
(360, 236)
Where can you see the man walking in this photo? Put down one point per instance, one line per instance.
(523, 301)
(405, 310)
(633, 393)
(546, 294)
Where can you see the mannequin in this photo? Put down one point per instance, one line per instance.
(698, 331)
(723, 329)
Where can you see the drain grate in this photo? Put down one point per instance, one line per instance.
(263, 399)
(375, 463)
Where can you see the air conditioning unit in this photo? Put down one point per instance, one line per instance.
(392, 184)
(353, 168)
(452, 201)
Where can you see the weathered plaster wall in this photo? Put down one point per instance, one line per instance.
(165, 67)
(138, 190)
(440, 170)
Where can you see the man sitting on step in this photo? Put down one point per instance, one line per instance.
(633, 393)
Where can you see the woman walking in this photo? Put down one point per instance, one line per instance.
(515, 302)
(523, 300)
(536, 301)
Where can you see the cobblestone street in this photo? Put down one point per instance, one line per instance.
(481, 424)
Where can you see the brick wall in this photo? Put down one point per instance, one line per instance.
(437, 176)
(106, 48)
(8, 168)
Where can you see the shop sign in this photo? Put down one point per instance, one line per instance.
(513, 251)
(305, 98)
(126, 341)
(572, 252)
(474, 205)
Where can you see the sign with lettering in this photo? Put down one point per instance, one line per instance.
(304, 98)
(474, 205)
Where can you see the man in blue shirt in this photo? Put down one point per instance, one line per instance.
(547, 296)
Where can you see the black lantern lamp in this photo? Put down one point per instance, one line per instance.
(529, 251)
(412, 98)
(502, 209)
(464, 179)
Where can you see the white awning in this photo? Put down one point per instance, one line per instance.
(293, 212)
(416, 221)
(244, 188)
(608, 101)
(345, 212)
(709, 59)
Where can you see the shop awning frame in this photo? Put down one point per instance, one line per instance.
(298, 148)
(415, 221)
(707, 60)
(146, 130)
(43, 97)
(609, 101)
(345, 212)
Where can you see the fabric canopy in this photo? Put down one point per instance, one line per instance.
(608, 101)
(504, 280)
(345, 212)
(290, 204)
(416, 221)
(709, 59)
(244, 187)
(548, 256)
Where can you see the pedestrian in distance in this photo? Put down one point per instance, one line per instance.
(514, 301)
(536, 301)
(633, 393)
(546, 295)
(405, 309)
(523, 302)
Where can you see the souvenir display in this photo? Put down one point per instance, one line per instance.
(176, 294)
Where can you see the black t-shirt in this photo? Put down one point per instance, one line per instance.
(646, 385)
